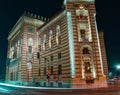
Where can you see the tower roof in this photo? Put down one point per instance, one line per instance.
(79, 0)
(65, 1)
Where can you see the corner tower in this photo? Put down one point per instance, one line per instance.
(87, 52)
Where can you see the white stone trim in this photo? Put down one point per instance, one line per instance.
(98, 45)
(71, 44)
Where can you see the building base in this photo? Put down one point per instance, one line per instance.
(98, 83)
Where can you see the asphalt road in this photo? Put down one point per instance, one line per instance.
(17, 91)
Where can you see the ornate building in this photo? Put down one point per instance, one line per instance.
(63, 51)
(22, 49)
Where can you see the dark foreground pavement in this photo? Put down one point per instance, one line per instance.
(21, 90)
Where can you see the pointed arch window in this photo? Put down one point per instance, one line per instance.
(18, 48)
(44, 42)
(39, 43)
(12, 52)
(50, 38)
(30, 48)
(58, 38)
(15, 51)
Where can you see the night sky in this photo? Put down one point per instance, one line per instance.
(108, 19)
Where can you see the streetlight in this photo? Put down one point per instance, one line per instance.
(118, 70)
(118, 67)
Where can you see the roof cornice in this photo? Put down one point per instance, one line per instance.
(24, 19)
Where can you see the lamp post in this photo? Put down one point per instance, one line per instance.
(118, 70)
(118, 67)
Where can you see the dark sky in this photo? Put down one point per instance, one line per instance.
(108, 19)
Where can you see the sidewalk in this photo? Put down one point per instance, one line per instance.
(60, 90)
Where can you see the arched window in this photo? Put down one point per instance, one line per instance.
(44, 42)
(50, 34)
(11, 52)
(18, 48)
(58, 34)
(85, 50)
(30, 42)
(50, 38)
(29, 65)
(39, 41)
(44, 39)
(30, 48)
(58, 29)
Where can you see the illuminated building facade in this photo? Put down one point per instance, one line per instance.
(22, 50)
(64, 51)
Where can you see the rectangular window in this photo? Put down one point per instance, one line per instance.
(59, 69)
(44, 60)
(11, 76)
(51, 58)
(38, 55)
(82, 32)
(51, 70)
(39, 47)
(15, 54)
(52, 42)
(59, 39)
(43, 46)
(16, 75)
(59, 55)
(44, 71)
(30, 51)
(85, 51)
(39, 72)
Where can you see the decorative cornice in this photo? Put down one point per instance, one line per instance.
(24, 19)
(47, 24)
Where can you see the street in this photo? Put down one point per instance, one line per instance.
(5, 90)
(12, 91)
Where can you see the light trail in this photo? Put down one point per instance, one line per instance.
(11, 85)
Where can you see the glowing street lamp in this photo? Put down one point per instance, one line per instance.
(118, 67)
